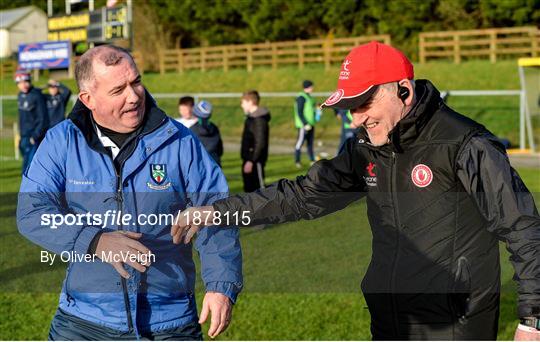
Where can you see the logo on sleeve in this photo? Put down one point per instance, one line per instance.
(371, 178)
(158, 172)
(421, 175)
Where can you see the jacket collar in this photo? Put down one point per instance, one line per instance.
(407, 130)
(82, 118)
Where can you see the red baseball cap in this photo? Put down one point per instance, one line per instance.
(364, 68)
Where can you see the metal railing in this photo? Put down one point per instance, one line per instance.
(526, 136)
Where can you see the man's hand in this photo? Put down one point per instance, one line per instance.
(308, 127)
(248, 167)
(122, 242)
(189, 221)
(220, 308)
(526, 334)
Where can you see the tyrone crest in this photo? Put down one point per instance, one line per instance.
(421, 175)
(158, 173)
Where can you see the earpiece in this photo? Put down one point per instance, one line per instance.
(403, 93)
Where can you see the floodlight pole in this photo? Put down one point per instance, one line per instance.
(526, 114)
(130, 23)
(522, 120)
(49, 8)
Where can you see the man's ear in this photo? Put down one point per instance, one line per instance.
(409, 85)
(87, 99)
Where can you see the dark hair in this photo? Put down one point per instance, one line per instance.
(186, 101)
(106, 54)
(252, 95)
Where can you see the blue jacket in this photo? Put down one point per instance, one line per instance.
(56, 105)
(73, 173)
(33, 118)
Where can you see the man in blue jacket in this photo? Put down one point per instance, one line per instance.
(100, 194)
(33, 119)
(57, 101)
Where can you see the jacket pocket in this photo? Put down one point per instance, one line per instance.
(461, 292)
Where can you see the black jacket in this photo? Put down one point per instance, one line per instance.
(255, 136)
(56, 105)
(439, 197)
(209, 135)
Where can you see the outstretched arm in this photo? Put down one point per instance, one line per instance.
(329, 186)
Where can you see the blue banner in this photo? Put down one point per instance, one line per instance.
(45, 55)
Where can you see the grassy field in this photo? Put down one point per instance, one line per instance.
(499, 114)
(301, 279)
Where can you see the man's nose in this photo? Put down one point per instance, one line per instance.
(358, 118)
(132, 96)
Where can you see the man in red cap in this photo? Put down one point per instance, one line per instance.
(440, 195)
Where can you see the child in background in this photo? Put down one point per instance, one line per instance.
(206, 131)
(185, 108)
(255, 137)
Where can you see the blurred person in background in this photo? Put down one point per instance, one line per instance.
(33, 117)
(347, 129)
(57, 100)
(254, 150)
(207, 131)
(185, 108)
(304, 121)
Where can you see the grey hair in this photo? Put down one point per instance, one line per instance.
(106, 54)
(392, 86)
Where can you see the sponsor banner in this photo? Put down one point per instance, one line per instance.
(45, 55)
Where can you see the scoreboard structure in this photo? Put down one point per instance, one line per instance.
(104, 25)
(108, 24)
(70, 27)
(81, 30)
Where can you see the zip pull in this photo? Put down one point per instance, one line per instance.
(119, 198)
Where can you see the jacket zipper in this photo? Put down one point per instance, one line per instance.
(119, 200)
(393, 189)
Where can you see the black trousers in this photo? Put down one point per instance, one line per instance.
(255, 179)
(66, 327)
(308, 136)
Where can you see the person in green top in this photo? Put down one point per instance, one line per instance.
(304, 120)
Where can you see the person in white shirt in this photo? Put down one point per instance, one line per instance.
(185, 108)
